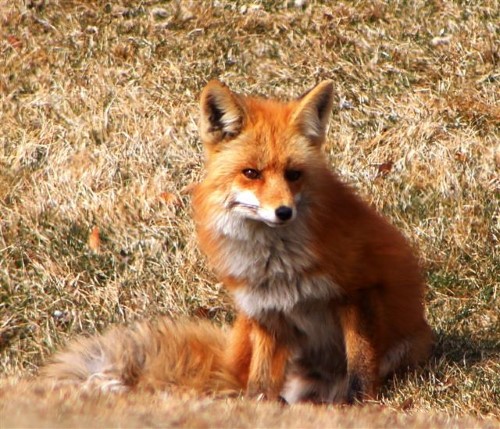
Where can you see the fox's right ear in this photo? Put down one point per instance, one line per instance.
(221, 113)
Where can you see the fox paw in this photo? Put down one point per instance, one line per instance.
(355, 390)
(360, 389)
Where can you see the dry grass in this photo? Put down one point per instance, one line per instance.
(33, 406)
(98, 128)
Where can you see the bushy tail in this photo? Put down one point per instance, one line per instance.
(163, 355)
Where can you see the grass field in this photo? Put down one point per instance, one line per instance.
(99, 147)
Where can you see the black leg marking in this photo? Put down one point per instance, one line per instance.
(355, 391)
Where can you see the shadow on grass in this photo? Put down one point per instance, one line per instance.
(464, 349)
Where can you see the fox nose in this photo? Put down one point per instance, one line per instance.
(283, 213)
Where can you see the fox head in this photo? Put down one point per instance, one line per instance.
(263, 155)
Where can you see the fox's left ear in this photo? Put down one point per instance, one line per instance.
(313, 111)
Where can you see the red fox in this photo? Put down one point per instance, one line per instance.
(328, 295)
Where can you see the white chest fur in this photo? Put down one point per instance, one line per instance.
(275, 264)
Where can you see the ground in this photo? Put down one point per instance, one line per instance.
(99, 150)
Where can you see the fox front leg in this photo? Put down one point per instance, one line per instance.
(267, 366)
(362, 363)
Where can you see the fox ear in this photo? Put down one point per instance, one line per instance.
(313, 110)
(221, 113)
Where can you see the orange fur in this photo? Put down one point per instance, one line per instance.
(164, 355)
(329, 295)
(332, 267)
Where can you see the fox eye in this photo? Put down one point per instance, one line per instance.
(251, 173)
(293, 175)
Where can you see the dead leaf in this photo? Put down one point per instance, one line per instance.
(14, 41)
(170, 199)
(95, 239)
(460, 156)
(407, 404)
(385, 168)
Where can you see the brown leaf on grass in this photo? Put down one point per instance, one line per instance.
(95, 239)
(385, 168)
(407, 404)
(460, 157)
(170, 199)
(14, 41)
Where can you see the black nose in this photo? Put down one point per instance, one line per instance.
(284, 213)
